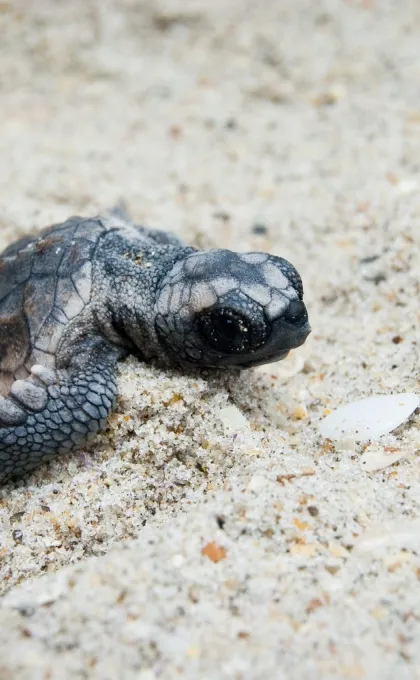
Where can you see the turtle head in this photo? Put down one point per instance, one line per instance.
(224, 309)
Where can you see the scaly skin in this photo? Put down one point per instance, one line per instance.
(81, 295)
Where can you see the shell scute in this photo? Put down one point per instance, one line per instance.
(45, 281)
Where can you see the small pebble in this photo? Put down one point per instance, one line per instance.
(231, 124)
(300, 412)
(178, 560)
(259, 229)
(214, 552)
(17, 536)
(232, 417)
(345, 445)
(222, 215)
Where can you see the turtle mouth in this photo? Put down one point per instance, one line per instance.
(269, 359)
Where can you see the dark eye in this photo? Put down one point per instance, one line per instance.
(296, 313)
(230, 332)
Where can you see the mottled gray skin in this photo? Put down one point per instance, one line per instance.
(79, 296)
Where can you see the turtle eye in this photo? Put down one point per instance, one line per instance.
(228, 331)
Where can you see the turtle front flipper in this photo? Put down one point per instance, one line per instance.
(56, 411)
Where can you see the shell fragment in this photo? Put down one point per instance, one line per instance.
(369, 418)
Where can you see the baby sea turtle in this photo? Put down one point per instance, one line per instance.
(78, 296)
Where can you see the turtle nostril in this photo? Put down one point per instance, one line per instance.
(296, 313)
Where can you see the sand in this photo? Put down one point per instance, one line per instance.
(210, 532)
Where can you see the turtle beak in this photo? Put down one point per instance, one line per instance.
(285, 335)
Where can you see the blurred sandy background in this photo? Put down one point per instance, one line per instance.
(210, 532)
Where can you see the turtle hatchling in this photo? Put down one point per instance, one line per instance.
(78, 296)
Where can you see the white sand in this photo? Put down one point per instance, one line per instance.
(208, 118)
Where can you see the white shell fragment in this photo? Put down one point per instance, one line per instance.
(369, 418)
(377, 458)
(403, 534)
